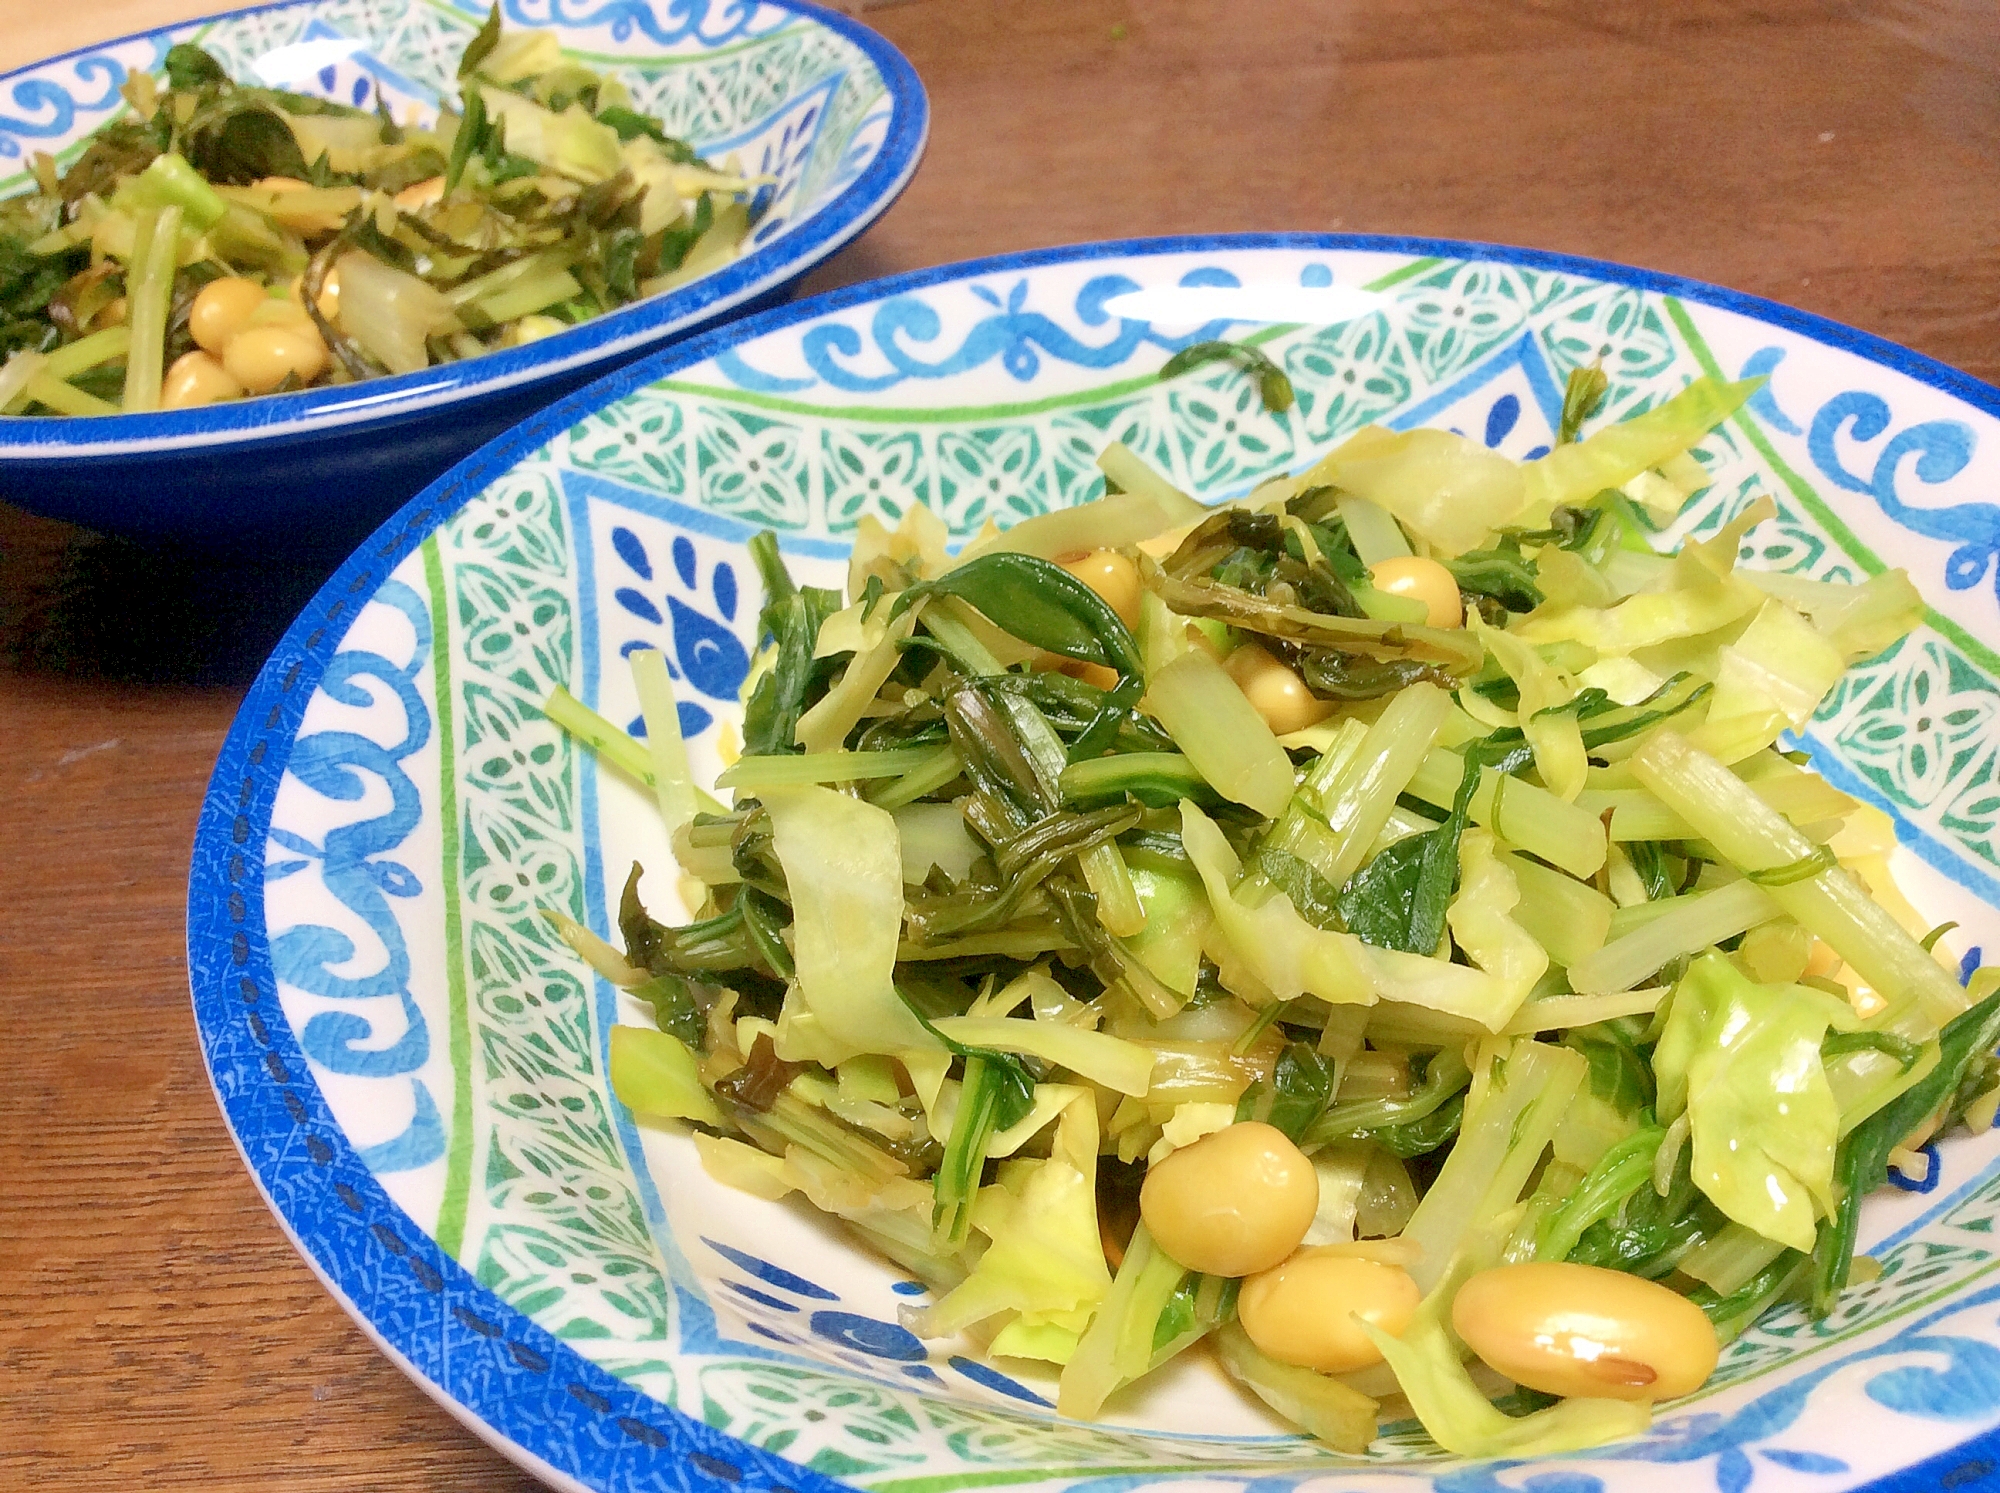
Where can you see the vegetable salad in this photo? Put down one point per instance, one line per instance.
(1370, 930)
(224, 240)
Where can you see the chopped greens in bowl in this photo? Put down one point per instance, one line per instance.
(1211, 892)
(1368, 926)
(227, 239)
(615, 185)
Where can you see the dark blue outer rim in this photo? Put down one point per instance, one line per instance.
(30, 440)
(481, 1359)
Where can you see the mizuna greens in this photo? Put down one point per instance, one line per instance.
(225, 239)
(1512, 945)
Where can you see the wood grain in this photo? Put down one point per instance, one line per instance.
(156, 1330)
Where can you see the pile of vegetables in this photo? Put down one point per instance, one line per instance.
(1371, 927)
(224, 240)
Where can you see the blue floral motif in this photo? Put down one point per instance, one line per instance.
(37, 95)
(706, 653)
(1943, 449)
(354, 868)
(1015, 334)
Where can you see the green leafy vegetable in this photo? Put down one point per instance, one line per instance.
(1743, 1061)
(1583, 396)
(1272, 386)
(482, 44)
(189, 67)
(1293, 1096)
(994, 1094)
(1863, 1161)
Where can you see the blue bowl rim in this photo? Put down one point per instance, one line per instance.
(281, 1124)
(808, 242)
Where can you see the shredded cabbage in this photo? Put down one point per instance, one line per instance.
(1463, 1421)
(1614, 454)
(1742, 1060)
(1446, 489)
(1226, 740)
(844, 867)
(1537, 905)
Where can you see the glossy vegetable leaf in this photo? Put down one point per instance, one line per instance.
(1505, 575)
(1650, 1233)
(27, 281)
(189, 67)
(1583, 396)
(482, 44)
(1422, 1135)
(1272, 386)
(1444, 1076)
(792, 617)
(1157, 779)
(1619, 1074)
(239, 139)
(630, 125)
(994, 1093)
(1863, 1162)
(1649, 861)
(675, 1010)
(1400, 898)
(1378, 904)
(1293, 1096)
(1743, 1061)
(119, 149)
(1318, 901)
(467, 142)
(1334, 675)
(1617, 1175)
(1038, 602)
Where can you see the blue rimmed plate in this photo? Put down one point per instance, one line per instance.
(413, 1067)
(793, 90)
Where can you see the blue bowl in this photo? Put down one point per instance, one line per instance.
(821, 103)
(414, 1066)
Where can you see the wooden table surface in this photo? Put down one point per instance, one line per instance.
(156, 1329)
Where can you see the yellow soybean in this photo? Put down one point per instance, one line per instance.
(1580, 1330)
(197, 378)
(1112, 577)
(1422, 580)
(1274, 690)
(260, 357)
(221, 310)
(1308, 1311)
(1234, 1203)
